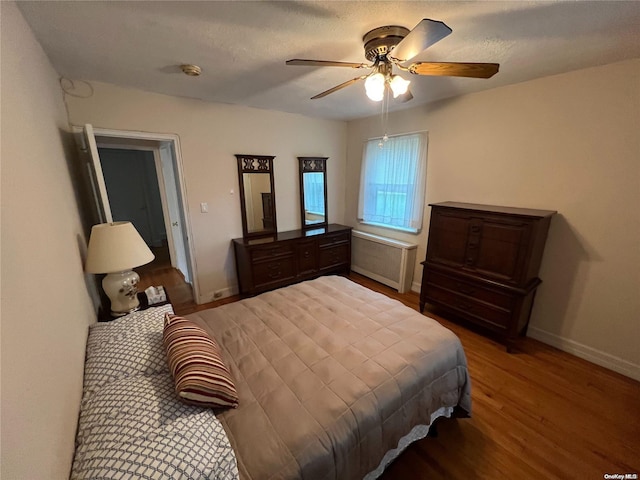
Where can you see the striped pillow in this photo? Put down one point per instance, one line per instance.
(196, 363)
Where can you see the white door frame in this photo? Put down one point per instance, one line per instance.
(134, 140)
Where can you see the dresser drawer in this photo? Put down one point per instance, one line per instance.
(307, 258)
(274, 270)
(330, 257)
(271, 251)
(468, 307)
(471, 289)
(334, 239)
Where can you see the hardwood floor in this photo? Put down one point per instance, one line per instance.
(160, 272)
(538, 413)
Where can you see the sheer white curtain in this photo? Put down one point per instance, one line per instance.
(393, 181)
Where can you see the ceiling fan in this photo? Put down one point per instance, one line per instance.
(394, 45)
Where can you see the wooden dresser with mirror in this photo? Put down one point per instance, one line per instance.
(267, 259)
(274, 261)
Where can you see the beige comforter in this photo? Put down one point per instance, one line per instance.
(330, 376)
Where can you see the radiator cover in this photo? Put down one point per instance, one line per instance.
(383, 259)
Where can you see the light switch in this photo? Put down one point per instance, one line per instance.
(204, 207)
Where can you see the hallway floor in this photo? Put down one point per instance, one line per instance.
(160, 272)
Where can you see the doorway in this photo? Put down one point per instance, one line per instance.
(131, 180)
(134, 195)
(137, 176)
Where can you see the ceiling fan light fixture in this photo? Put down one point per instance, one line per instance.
(399, 85)
(393, 45)
(374, 86)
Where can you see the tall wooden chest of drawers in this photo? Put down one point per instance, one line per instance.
(482, 264)
(278, 260)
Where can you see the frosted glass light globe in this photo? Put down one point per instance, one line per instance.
(398, 85)
(374, 86)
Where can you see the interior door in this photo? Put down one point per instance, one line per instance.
(98, 184)
(177, 230)
(130, 176)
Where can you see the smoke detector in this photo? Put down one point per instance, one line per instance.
(191, 70)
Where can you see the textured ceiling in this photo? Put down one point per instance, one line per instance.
(242, 46)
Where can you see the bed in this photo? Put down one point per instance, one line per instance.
(333, 381)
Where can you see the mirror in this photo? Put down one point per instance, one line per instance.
(313, 191)
(257, 195)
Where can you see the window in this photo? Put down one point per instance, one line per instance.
(314, 192)
(393, 181)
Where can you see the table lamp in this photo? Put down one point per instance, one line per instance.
(115, 249)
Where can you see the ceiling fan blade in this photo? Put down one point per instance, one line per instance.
(425, 34)
(455, 69)
(325, 63)
(338, 87)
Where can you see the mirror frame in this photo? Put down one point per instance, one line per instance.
(262, 164)
(313, 164)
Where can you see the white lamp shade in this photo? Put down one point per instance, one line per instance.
(116, 247)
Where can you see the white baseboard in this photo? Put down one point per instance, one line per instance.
(585, 352)
(226, 292)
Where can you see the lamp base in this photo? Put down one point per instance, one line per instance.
(122, 290)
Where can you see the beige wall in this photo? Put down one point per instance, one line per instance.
(210, 135)
(568, 143)
(46, 307)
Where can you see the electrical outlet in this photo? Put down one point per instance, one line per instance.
(217, 294)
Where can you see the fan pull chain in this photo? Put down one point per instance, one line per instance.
(384, 118)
